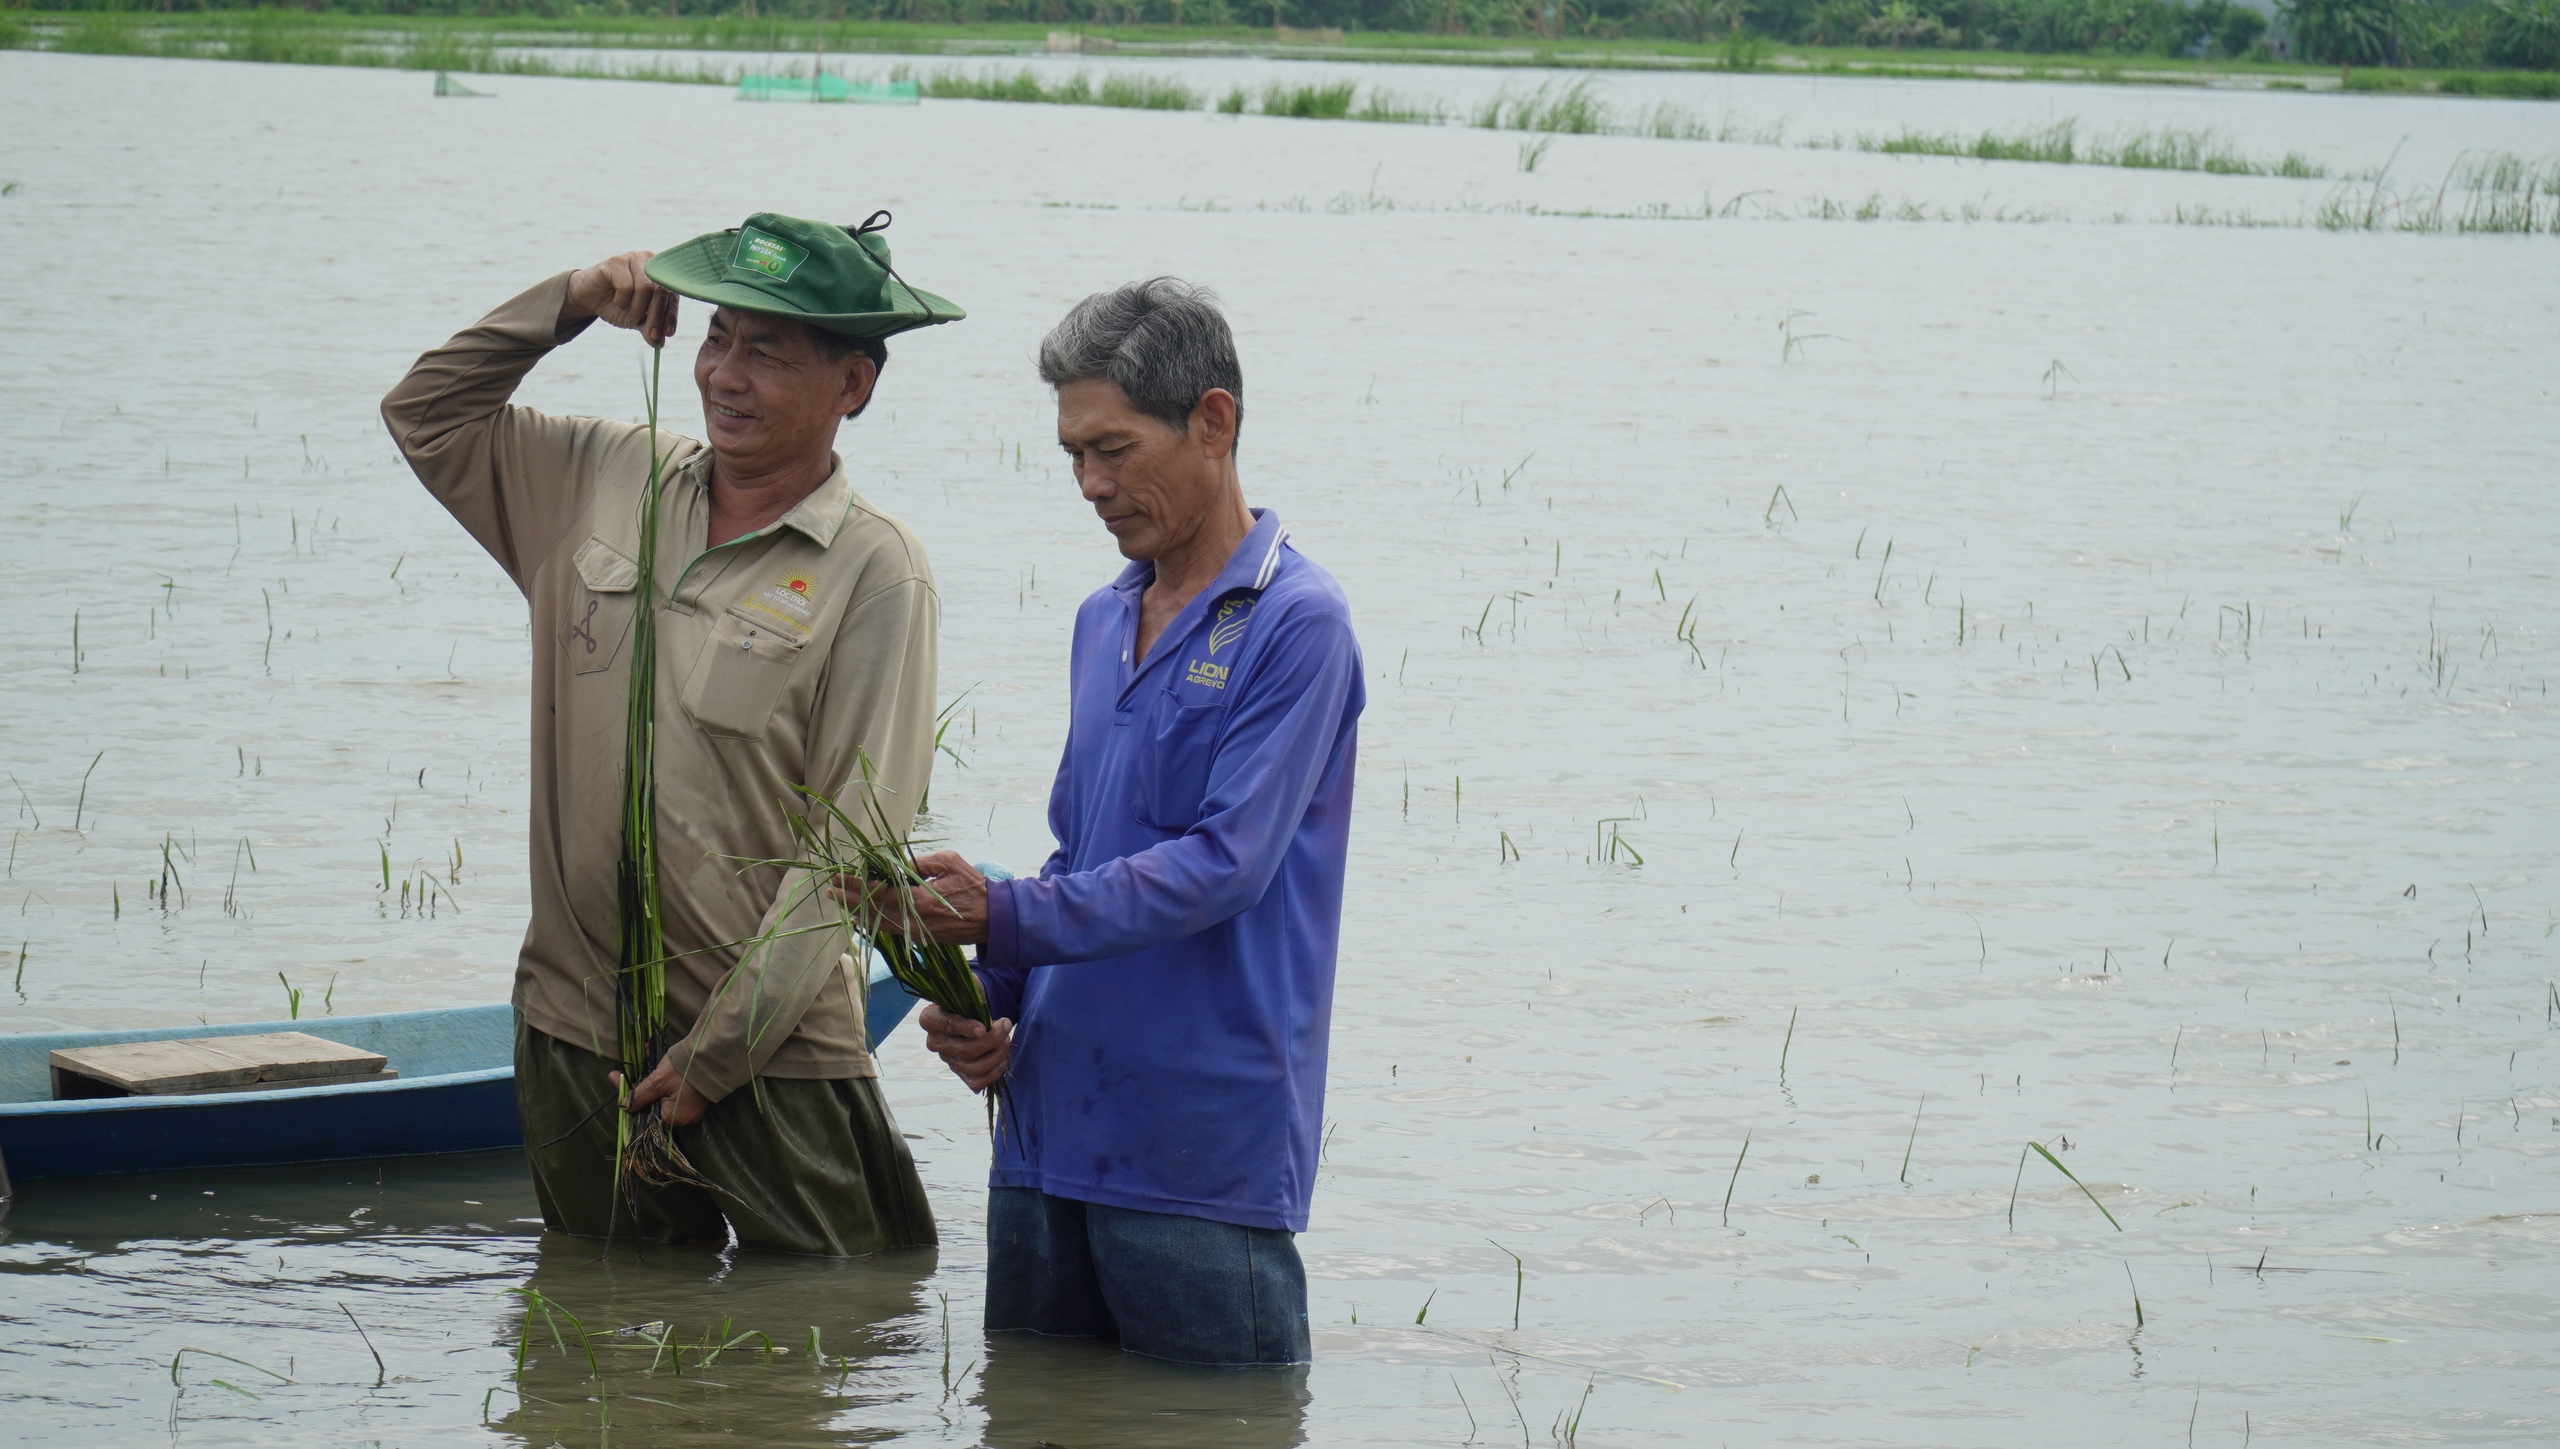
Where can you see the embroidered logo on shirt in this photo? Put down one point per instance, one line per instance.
(1228, 627)
(1203, 672)
(788, 602)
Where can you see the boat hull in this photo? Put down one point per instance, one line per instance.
(459, 1112)
(456, 1093)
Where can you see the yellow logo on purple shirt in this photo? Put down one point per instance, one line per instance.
(1228, 627)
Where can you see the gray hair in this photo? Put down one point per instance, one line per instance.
(1162, 341)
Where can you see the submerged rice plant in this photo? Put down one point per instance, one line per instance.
(2505, 192)
(551, 1311)
(2055, 143)
(1146, 93)
(1668, 122)
(2040, 1150)
(1127, 91)
(2492, 191)
(1316, 101)
(1574, 110)
(1387, 106)
(2170, 148)
(1331, 101)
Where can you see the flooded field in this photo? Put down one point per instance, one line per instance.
(2416, 137)
(1856, 706)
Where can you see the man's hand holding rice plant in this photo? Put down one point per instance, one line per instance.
(978, 1054)
(951, 907)
(678, 1101)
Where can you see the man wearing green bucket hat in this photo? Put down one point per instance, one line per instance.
(790, 629)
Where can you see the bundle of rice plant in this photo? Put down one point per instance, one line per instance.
(645, 1152)
(854, 859)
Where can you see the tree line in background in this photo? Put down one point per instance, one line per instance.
(2516, 34)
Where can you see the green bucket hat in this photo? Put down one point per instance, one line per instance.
(835, 277)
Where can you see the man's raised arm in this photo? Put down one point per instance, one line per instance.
(512, 476)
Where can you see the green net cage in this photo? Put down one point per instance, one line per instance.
(827, 88)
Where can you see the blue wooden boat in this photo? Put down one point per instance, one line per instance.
(456, 1092)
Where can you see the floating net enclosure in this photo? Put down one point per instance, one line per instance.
(826, 88)
(446, 85)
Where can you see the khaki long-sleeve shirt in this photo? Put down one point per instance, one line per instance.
(785, 658)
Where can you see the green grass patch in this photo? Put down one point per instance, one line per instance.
(2529, 85)
(1323, 101)
(1567, 110)
(2061, 143)
(1131, 92)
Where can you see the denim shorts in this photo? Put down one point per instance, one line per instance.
(1172, 1287)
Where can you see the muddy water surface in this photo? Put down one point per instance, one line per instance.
(1887, 692)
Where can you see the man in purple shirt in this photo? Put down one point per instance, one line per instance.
(1164, 989)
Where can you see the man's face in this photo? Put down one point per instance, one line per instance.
(1152, 486)
(769, 396)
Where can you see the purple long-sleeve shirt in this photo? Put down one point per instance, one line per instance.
(1170, 974)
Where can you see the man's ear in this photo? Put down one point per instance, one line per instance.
(1213, 422)
(861, 375)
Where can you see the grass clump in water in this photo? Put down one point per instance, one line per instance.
(2493, 191)
(1573, 110)
(1316, 101)
(2167, 149)
(1331, 101)
(1146, 93)
(1392, 109)
(1118, 89)
(1668, 122)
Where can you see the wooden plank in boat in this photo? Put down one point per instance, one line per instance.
(285, 1054)
(153, 1067)
(208, 1064)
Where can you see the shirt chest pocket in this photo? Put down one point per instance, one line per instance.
(1171, 778)
(739, 676)
(600, 607)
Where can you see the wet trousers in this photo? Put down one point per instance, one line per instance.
(798, 1166)
(1164, 1285)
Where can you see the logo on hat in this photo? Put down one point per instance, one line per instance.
(767, 255)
